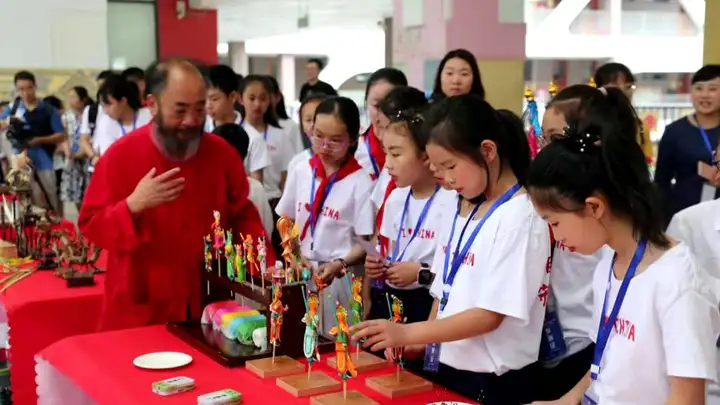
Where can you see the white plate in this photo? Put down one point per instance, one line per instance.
(162, 360)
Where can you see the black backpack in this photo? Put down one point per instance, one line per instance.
(92, 117)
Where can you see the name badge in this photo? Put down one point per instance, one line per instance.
(552, 344)
(432, 358)
(590, 397)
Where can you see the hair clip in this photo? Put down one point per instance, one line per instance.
(581, 142)
(409, 116)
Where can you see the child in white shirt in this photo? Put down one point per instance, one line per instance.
(307, 115)
(655, 312)
(483, 333)
(328, 197)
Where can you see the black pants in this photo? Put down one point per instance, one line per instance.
(416, 308)
(553, 383)
(512, 388)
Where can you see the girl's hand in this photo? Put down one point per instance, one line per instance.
(380, 334)
(403, 274)
(330, 270)
(374, 266)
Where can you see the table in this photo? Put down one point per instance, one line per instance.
(41, 310)
(98, 369)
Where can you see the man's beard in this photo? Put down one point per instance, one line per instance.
(177, 142)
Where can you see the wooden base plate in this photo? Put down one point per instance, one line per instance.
(363, 361)
(282, 366)
(391, 386)
(338, 398)
(305, 385)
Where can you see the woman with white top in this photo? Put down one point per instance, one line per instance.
(264, 131)
(292, 130)
(483, 332)
(74, 176)
(328, 198)
(306, 114)
(654, 310)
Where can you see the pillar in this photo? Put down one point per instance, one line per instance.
(239, 59)
(711, 41)
(287, 77)
(194, 35)
(494, 31)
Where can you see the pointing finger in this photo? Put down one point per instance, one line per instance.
(168, 174)
(150, 174)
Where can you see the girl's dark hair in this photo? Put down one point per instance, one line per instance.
(54, 102)
(117, 87)
(477, 86)
(570, 100)
(599, 155)
(83, 95)
(387, 74)
(236, 136)
(405, 105)
(609, 72)
(346, 111)
(269, 116)
(312, 97)
(280, 110)
(460, 124)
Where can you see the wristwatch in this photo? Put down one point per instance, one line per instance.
(425, 276)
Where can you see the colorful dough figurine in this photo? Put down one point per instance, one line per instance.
(262, 258)
(276, 317)
(356, 303)
(345, 365)
(252, 266)
(229, 255)
(397, 317)
(312, 323)
(306, 275)
(208, 252)
(289, 233)
(239, 263)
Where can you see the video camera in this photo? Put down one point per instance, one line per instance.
(16, 132)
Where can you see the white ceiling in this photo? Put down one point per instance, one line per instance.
(246, 19)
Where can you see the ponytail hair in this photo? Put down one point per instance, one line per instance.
(461, 123)
(599, 154)
(404, 105)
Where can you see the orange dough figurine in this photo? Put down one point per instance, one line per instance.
(276, 315)
(289, 234)
(250, 255)
(345, 365)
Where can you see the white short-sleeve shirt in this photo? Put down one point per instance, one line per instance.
(504, 271)
(378, 191)
(108, 130)
(422, 248)
(279, 152)
(292, 131)
(301, 157)
(347, 212)
(667, 326)
(85, 124)
(258, 156)
(362, 154)
(699, 227)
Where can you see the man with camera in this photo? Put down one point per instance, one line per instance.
(34, 129)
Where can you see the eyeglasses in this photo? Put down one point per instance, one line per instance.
(326, 144)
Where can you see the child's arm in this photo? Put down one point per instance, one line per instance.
(466, 324)
(686, 391)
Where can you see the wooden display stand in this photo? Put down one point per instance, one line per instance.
(305, 385)
(8, 250)
(216, 286)
(364, 362)
(398, 385)
(278, 367)
(338, 398)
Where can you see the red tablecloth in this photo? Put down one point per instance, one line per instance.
(41, 310)
(101, 365)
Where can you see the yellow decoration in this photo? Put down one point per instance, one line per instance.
(529, 94)
(592, 83)
(553, 88)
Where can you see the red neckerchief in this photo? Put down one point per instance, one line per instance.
(350, 167)
(384, 241)
(376, 148)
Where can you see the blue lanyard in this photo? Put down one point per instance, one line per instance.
(706, 140)
(606, 328)
(122, 127)
(372, 159)
(313, 219)
(242, 121)
(450, 271)
(420, 221)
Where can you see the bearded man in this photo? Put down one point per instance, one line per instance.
(151, 201)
